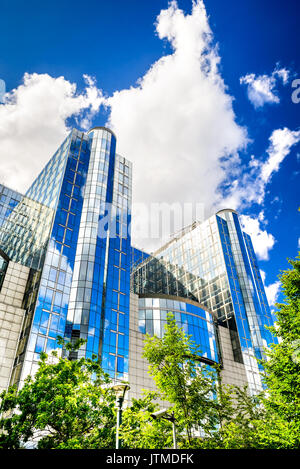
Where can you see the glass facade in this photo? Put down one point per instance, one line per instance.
(250, 303)
(9, 199)
(190, 316)
(214, 264)
(71, 229)
(25, 231)
(137, 257)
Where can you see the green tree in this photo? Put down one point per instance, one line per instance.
(188, 385)
(272, 419)
(140, 430)
(68, 404)
(282, 367)
(240, 419)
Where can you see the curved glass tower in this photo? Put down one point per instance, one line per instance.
(72, 229)
(214, 264)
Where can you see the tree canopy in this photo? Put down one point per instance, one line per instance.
(69, 404)
(184, 381)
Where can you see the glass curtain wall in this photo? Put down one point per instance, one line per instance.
(79, 287)
(214, 263)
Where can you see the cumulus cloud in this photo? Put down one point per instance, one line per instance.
(177, 123)
(33, 123)
(250, 186)
(272, 290)
(261, 239)
(261, 89)
(281, 142)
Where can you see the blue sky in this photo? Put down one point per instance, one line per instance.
(117, 43)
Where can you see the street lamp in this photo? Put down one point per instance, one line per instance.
(163, 414)
(120, 390)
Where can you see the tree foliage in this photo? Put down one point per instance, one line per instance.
(182, 380)
(140, 430)
(234, 418)
(68, 404)
(282, 367)
(271, 420)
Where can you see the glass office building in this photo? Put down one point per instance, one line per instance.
(71, 228)
(214, 264)
(72, 231)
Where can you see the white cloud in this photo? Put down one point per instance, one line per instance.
(261, 216)
(282, 73)
(177, 123)
(272, 292)
(281, 142)
(33, 123)
(262, 241)
(263, 276)
(250, 186)
(261, 89)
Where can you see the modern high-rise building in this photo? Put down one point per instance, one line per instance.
(214, 264)
(67, 268)
(70, 230)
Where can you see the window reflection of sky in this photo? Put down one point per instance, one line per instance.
(194, 321)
